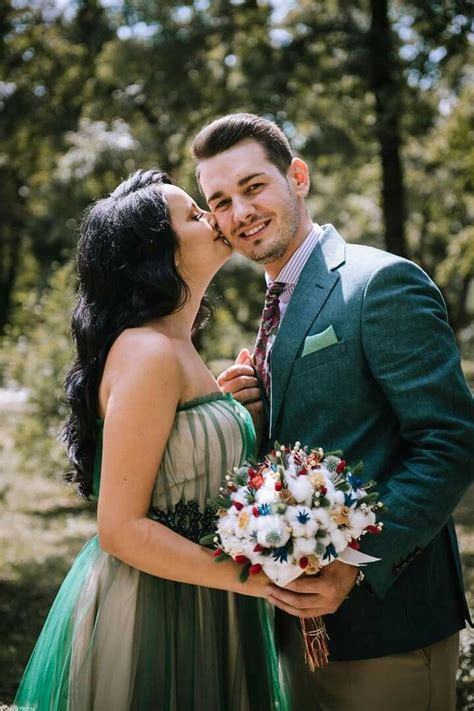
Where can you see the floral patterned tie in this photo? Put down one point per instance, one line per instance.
(268, 328)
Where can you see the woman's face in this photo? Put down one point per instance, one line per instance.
(202, 249)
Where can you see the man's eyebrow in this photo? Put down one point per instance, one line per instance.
(240, 183)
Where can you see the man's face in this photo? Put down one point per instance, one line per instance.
(258, 209)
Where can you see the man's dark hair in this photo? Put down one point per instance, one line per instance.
(227, 131)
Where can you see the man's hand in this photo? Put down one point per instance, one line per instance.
(312, 596)
(240, 380)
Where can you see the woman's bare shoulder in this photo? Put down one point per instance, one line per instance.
(143, 357)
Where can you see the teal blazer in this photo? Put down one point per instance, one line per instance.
(383, 383)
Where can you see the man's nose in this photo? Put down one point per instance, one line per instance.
(242, 209)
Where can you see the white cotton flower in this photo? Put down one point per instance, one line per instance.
(265, 495)
(303, 546)
(272, 531)
(339, 498)
(370, 519)
(339, 540)
(321, 516)
(301, 520)
(301, 489)
(357, 520)
(227, 523)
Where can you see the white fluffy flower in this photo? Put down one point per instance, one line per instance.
(301, 520)
(301, 489)
(227, 523)
(339, 540)
(266, 495)
(303, 546)
(322, 517)
(272, 531)
(357, 522)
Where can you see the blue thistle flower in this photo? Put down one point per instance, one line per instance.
(264, 510)
(303, 517)
(348, 500)
(280, 555)
(330, 552)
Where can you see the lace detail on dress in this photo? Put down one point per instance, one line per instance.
(187, 519)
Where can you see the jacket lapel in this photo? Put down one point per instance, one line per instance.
(314, 286)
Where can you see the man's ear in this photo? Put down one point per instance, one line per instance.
(298, 175)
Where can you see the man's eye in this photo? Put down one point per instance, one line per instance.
(221, 204)
(254, 186)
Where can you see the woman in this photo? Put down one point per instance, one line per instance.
(146, 619)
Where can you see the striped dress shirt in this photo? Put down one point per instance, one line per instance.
(289, 275)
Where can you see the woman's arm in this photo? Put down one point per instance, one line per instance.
(143, 382)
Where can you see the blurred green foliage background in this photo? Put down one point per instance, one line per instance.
(376, 95)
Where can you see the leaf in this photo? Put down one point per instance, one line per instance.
(358, 469)
(244, 573)
(207, 540)
(221, 557)
(220, 502)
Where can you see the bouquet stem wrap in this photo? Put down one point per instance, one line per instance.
(316, 639)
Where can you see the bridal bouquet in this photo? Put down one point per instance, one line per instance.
(293, 514)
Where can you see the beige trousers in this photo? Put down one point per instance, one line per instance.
(421, 680)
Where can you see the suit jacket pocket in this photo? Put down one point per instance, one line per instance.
(321, 357)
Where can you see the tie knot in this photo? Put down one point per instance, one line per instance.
(274, 290)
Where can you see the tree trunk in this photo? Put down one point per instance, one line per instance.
(386, 86)
(9, 264)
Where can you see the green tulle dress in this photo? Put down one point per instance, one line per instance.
(117, 639)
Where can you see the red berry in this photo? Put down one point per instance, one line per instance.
(323, 490)
(255, 569)
(217, 552)
(303, 562)
(258, 548)
(255, 511)
(241, 559)
(302, 471)
(354, 544)
(373, 529)
(238, 505)
(341, 466)
(278, 486)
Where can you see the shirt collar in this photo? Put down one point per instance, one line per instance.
(290, 273)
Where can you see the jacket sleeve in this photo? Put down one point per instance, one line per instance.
(412, 354)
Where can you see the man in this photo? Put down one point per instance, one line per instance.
(363, 360)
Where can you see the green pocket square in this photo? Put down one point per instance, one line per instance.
(320, 340)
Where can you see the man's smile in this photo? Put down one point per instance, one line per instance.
(254, 230)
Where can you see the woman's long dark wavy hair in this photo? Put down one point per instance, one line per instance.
(127, 276)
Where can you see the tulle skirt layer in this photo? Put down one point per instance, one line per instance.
(118, 639)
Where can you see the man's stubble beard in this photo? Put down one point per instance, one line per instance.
(276, 249)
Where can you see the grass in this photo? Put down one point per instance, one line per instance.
(44, 525)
